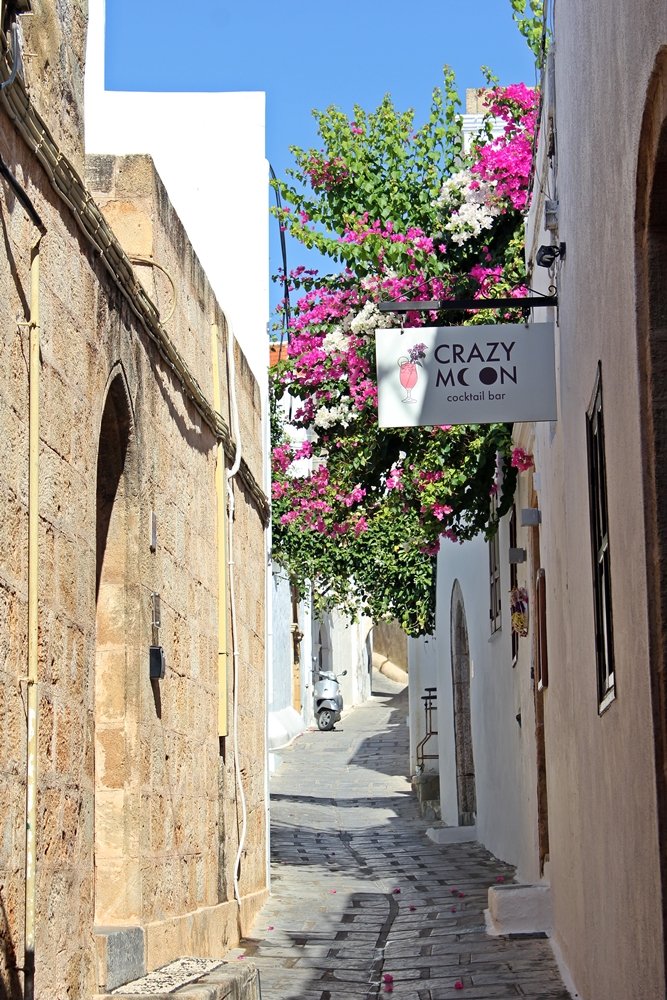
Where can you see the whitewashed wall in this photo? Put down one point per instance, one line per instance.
(209, 150)
(504, 751)
(339, 644)
(284, 721)
(422, 673)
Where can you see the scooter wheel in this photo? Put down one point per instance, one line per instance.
(325, 720)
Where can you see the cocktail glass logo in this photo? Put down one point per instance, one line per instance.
(408, 370)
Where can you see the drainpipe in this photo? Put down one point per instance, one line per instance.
(32, 701)
(268, 651)
(221, 528)
(33, 579)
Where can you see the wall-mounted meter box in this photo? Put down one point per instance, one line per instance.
(157, 664)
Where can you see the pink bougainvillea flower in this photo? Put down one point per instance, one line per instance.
(332, 892)
(387, 978)
(441, 510)
(270, 927)
(458, 985)
(411, 907)
(396, 890)
(453, 909)
(454, 892)
(521, 459)
(461, 895)
(500, 878)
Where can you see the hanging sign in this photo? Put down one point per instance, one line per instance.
(466, 374)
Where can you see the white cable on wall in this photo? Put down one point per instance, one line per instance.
(236, 435)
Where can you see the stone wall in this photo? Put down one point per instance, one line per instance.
(137, 808)
(390, 641)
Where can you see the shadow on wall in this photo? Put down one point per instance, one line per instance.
(391, 642)
(10, 981)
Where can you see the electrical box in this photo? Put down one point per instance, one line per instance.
(157, 664)
(530, 517)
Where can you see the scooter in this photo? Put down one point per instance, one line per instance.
(328, 699)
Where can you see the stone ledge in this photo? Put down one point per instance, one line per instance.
(452, 834)
(519, 909)
(120, 955)
(226, 982)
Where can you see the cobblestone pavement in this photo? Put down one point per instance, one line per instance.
(359, 893)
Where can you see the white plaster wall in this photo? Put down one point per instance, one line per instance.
(604, 851)
(352, 651)
(504, 752)
(284, 722)
(306, 626)
(280, 693)
(209, 149)
(423, 672)
(339, 644)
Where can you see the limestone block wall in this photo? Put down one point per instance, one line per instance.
(137, 809)
(390, 640)
(53, 56)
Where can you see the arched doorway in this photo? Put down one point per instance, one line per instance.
(465, 765)
(651, 248)
(117, 891)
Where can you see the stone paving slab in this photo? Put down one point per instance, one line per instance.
(359, 892)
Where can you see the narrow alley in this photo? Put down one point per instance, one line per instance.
(363, 903)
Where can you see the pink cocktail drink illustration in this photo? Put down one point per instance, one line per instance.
(408, 378)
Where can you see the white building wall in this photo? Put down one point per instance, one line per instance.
(504, 751)
(605, 850)
(423, 654)
(352, 651)
(338, 645)
(209, 150)
(284, 721)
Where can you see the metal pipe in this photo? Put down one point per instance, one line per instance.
(33, 588)
(33, 584)
(221, 529)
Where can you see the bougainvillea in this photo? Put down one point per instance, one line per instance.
(359, 511)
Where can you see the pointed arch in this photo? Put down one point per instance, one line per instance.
(117, 883)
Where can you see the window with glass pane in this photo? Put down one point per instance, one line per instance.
(597, 486)
(494, 576)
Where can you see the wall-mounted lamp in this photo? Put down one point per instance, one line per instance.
(547, 254)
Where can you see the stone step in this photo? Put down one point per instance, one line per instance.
(192, 979)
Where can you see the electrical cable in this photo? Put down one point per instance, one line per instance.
(16, 50)
(22, 196)
(236, 432)
(149, 262)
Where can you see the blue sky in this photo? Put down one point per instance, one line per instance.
(311, 55)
